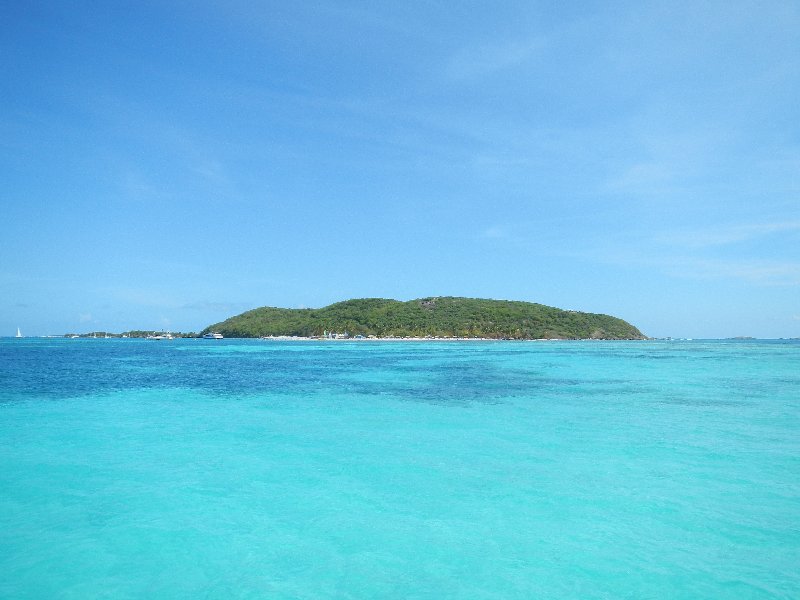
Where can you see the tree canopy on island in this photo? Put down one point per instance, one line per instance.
(437, 317)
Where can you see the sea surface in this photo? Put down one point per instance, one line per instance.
(476, 470)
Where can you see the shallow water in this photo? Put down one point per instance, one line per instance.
(250, 469)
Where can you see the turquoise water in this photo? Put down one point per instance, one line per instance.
(252, 469)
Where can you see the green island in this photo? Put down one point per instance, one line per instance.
(134, 333)
(439, 317)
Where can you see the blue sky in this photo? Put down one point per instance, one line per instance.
(170, 164)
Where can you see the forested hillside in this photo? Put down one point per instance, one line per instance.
(442, 317)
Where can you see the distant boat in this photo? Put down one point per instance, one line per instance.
(19, 333)
(160, 336)
(212, 336)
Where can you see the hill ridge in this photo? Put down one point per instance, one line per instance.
(434, 316)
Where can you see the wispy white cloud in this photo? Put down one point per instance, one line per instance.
(146, 297)
(196, 155)
(644, 176)
(667, 155)
(211, 170)
(476, 62)
(756, 271)
(731, 234)
(85, 317)
(217, 306)
(761, 272)
(494, 232)
(135, 186)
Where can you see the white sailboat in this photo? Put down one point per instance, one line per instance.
(19, 333)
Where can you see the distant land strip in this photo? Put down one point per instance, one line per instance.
(434, 317)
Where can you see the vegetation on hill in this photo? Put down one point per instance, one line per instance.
(439, 317)
(136, 333)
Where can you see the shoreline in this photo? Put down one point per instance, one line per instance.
(292, 338)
